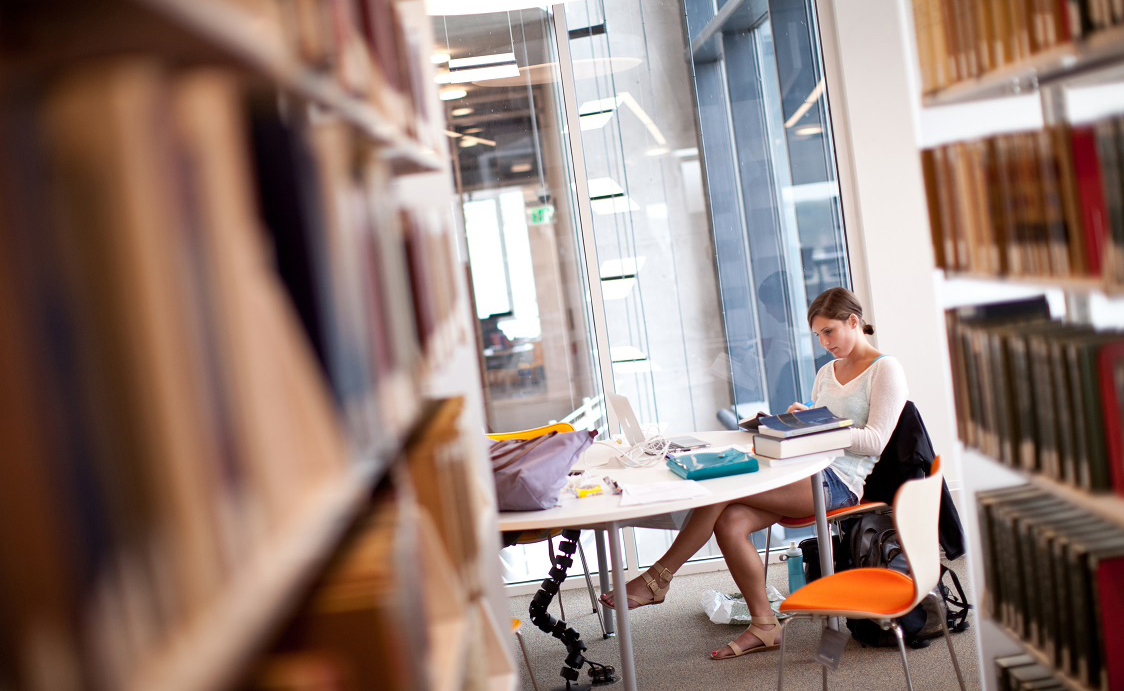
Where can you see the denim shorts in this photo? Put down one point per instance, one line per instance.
(836, 492)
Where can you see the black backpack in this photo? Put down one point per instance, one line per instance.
(874, 543)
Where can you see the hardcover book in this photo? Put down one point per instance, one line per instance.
(800, 422)
(772, 448)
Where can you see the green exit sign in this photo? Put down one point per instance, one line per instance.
(539, 215)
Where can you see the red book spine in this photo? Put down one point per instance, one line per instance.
(1110, 582)
(1090, 194)
(1110, 364)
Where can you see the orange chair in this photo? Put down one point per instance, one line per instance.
(532, 536)
(884, 594)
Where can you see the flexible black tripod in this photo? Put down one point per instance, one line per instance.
(599, 674)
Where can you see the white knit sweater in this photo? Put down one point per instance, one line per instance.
(873, 401)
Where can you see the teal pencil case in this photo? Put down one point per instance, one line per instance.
(704, 465)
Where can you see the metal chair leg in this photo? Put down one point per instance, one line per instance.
(768, 542)
(901, 648)
(550, 548)
(780, 662)
(948, 638)
(527, 659)
(589, 589)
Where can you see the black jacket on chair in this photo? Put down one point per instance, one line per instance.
(909, 455)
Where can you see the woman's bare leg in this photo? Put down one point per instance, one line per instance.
(731, 529)
(690, 539)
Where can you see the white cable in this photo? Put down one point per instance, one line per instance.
(647, 453)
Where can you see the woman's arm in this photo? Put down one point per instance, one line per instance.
(888, 393)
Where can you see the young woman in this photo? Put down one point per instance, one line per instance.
(860, 384)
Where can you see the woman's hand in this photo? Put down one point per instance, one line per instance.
(797, 406)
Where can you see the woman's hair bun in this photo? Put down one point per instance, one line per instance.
(868, 329)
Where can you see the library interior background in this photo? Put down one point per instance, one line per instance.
(269, 268)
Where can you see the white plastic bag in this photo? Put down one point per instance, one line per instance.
(731, 609)
(724, 609)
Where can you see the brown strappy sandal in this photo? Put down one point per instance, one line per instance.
(658, 593)
(767, 637)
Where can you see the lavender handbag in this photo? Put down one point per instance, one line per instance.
(529, 473)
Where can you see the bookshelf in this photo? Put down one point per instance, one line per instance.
(1024, 212)
(1055, 65)
(230, 332)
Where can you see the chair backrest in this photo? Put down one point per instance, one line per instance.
(916, 509)
(534, 432)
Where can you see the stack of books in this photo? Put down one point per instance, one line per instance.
(777, 437)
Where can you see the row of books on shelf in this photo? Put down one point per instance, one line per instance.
(1040, 395)
(396, 604)
(209, 312)
(959, 40)
(1024, 672)
(1055, 575)
(377, 50)
(363, 624)
(1048, 203)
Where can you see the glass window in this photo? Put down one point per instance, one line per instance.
(773, 192)
(713, 208)
(500, 84)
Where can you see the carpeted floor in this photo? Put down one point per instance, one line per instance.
(672, 644)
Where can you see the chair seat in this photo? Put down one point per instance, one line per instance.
(841, 512)
(856, 592)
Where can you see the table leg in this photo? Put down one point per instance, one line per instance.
(603, 576)
(620, 598)
(823, 535)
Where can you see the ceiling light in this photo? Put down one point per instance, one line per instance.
(617, 288)
(807, 130)
(583, 68)
(452, 94)
(817, 91)
(607, 197)
(686, 153)
(439, 58)
(613, 205)
(478, 74)
(451, 134)
(594, 121)
(450, 7)
(474, 130)
(657, 151)
(469, 141)
(603, 187)
(625, 266)
(477, 60)
(626, 354)
(599, 105)
(476, 140)
(521, 168)
(460, 112)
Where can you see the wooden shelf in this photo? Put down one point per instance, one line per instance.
(496, 636)
(1110, 507)
(1078, 284)
(213, 650)
(1040, 657)
(236, 33)
(1062, 63)
(449, 614)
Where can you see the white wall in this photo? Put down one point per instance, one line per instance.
(871, 91)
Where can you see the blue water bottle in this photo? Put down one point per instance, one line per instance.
(795, 559)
